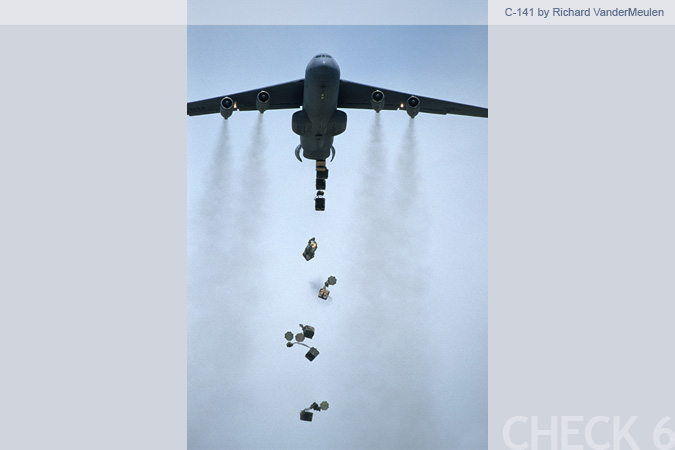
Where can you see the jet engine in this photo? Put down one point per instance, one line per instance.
(377, 100)
(226, 107)
(262, 101)
(412, 106)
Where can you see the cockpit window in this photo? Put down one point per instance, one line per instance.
(323, 56)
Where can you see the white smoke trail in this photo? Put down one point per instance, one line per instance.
(207, 326)
(412, 288)
(212, 213)
(407, 186)
(389, 376)
(223, 274)
(249, 207)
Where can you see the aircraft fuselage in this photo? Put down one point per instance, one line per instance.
(319, 108)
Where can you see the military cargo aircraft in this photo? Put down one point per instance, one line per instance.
(320, 94)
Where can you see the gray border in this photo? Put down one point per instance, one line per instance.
(94, 237)
(580, 227)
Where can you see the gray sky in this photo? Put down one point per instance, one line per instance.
(403, 338)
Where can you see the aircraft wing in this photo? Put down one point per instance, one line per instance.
(355, 95)
(282, 96)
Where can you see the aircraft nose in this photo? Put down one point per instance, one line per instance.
(328, 66)
(324, 66)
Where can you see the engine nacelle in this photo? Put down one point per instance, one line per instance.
(377, 100)
(226, 107)
(262, 101)
(412, 106)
